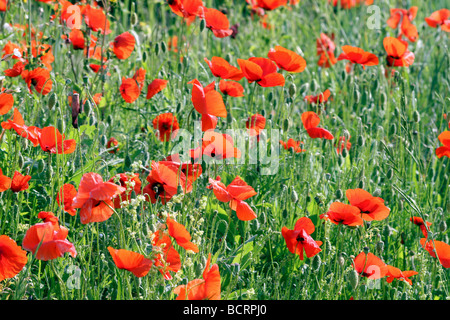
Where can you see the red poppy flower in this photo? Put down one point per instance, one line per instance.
(440, 248)
(235, 193)
(18, 124)
(396, 273)
(261, 70)
(295, 145)
(207, 288)
(156, 86)
(39, 78)
(231, 88)
(134, 262)
(300, 238)
(397, 52)
(215, 146)
(439, 18)
(3, 7)
(96, 19)
(310, 121)
(6, 103)
(372, 208)
(168, 259)
(112, 142)
(287, 60)
(12, 258)
(51, 140)
(123, 45)
(320, 98)
(139, 76)
(419, 222)
(349, 4)
(94, 198)
(359, 56)
(162, 182)
(222, 69)
(206, 100)
(129, 89)
(130, 182)
(16, 70)
(76, 38)
(19, 182)
(326, 60)
(189, 9)
(255, 124)
(343, 213)
(270, 4)
(51, 241)
(5, 182)
(166, 125)
(70, 14)
(190, 171)
(325, 44)
(65, 197)
(181, 235)
(48, 216)
(370, 266)
(405, 17)
(444, 138)
(217, 22)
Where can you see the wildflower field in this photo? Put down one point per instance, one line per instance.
(224, 149)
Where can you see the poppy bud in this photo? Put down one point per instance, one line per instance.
(380, 246)
(86, 80)
(270, 96)
(110, 120)
(416, 116)
(285, 125)
(25, 143)
(229, 118)
(87, 107)
(92, 120)
(20, 161)
(314, 85)
(400, 205)
(52, 101)
(357, 96)
(373, 146)
(390, 174)
(353, 278)
(157, 48)
(341, 259)
(263, 113)
(339, 194)
(127, 162)
(144, 56)
(68, 82)
(103, 140)
(344, 153)
(202, 25)
(327, 176)
(41, 166)
(377, 192)
(294, 196)
(163, 47)
(366, 250)
(134, 19)
(284, 213)
(361, 141)
(316, 262)
(361, 184)
(60, 125)
(443, 226)
(292, 90)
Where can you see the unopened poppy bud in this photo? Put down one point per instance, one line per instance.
(294, 196)
(400, 205)
(366, 250)
(443, 226)
(284, 213)
(110, 120)
(163, 47)
(52, 101)
(60, 125)
(127, 161)
(68, 82)
(377, 192)
(49, 173)
(373, 146)
(134, 19)
(344, 152)
(341, 260)
(157, 48)
(353, 278)
(202, 25)
(357, 96)
(92, 120)
(361, 141)
(327, 176)
(20, 161)
(103, 140)
(270, 96)
(361, 184)
(86, 80)
(390, 174)
(397, 112)
(339, 194)
(87, 107)
(316, 262)
(314, 85)
(263, 113)
(380, 246)
(416, 116)
(144, 56)
(292, 90)
(285, 125)
(41, 165)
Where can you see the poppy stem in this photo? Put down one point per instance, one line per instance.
(63, 287)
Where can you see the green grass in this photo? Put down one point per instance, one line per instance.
(391, 155)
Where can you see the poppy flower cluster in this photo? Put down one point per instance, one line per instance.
(17, 183)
